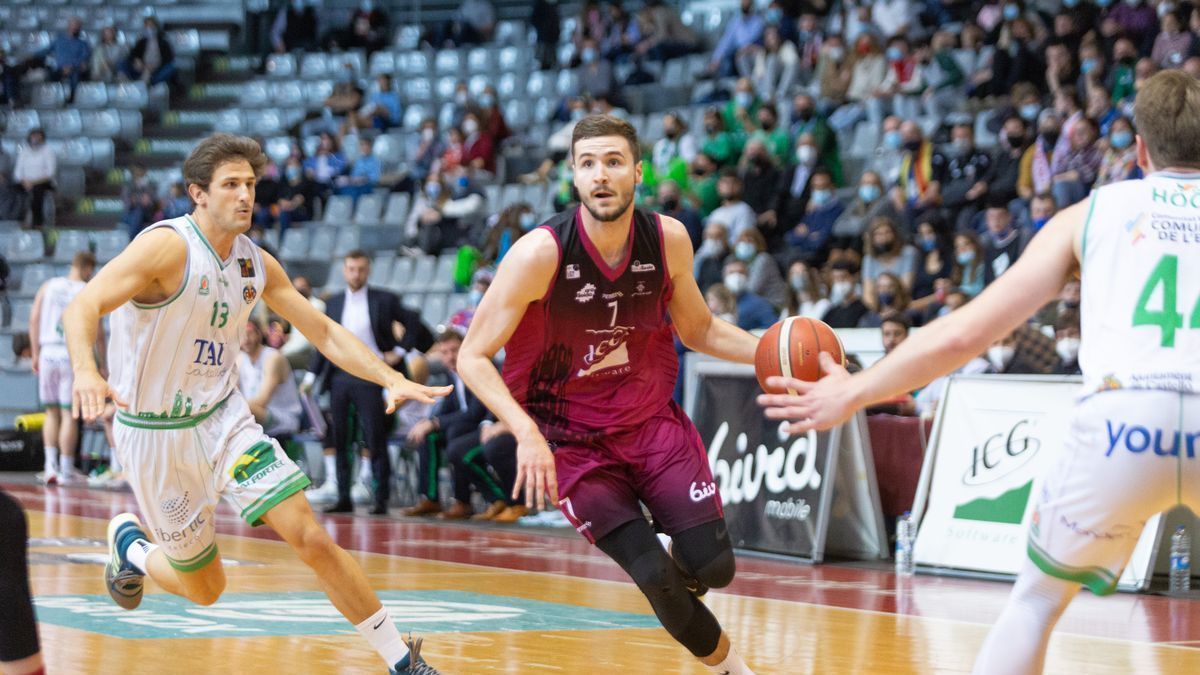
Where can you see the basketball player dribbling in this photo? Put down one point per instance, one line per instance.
(182, 292)
(1131, 450)
(581, 306)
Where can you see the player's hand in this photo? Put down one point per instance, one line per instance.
(419, 431)
(33, 355)
(89, 395)
(535, 472)
(401, 390)
(819, 405)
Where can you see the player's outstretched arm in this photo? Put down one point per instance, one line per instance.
(523, 278)
(336, 343)
(149, 270)
(944, 345)
(697, 327)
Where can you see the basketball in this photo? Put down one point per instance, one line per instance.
(791, 348)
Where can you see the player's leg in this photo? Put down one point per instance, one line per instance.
(50, 441)
(341, 577)
(20, 653)
(340, 422)
(68, 442)
(371, 411)
(704, 554)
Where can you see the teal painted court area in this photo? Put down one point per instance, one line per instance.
(272, 614)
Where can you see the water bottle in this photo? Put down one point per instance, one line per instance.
(906, 534)
(1181, 561)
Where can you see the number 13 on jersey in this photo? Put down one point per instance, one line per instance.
(1168, 318)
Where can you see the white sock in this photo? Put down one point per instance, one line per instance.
(51, 464)
(364, 470)
(138, 552)
(1018, 641)
(331, 470)
(66, 464)
(383, 636)
(732, 665)
(114, 464)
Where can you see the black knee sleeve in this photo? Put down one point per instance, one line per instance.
(635, 548)
(18, 631)
(705, 553)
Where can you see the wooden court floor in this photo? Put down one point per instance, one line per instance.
(492, 600)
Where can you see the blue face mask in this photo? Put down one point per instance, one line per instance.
(1029, 111)
(1039, 223)
(774, 15)
(821, 197)
(474, 297)
(892, 140)
(528, 221)
(1121, 139)
(894, 54)
(886, 299)
(1088, 66)
(292, 173)
(588, 55)
(965, 258)
(869, 192)
(927, 243)
(745, 251)
(1011, 12)
(744, 99)
(433, 190)
(486, 100)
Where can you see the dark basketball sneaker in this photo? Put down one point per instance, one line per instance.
(413, 664)
(124, 581)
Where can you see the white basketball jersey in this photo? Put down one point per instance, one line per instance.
(1140, 310)
(285, 400)
(178, 358)
(57, 293)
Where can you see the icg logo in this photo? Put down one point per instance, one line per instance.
(1002, 453)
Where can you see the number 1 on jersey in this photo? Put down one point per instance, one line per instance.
(1168, 318)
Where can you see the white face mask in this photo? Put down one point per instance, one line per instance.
(470, 127)
(840, 291)
(427, 134)
(1067, 349)
(1000, 355)
(711, 247)
(735, 282)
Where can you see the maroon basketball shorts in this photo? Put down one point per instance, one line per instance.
(660, 463)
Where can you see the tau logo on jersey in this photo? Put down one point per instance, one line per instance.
(203, 284)
(209, 353)
(572, 271)
(638, 267)
(249, 294)
(586, 293)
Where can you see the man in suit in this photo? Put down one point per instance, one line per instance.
(371, 314)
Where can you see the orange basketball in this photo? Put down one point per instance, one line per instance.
(790, 348)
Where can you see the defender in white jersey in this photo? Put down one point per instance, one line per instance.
(53, 367)
(180, 295)
(1133, 443)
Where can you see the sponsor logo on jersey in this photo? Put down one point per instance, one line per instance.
(204, 284)
(209, 353)
(572, 271)
(249, 294)
(1140, 440)
(246, 265)
(612, 296)
(702, 491)
(609, 352)
(1184, 195)
(586, 293)
(255, 463)
(184, 534)
(640, 290)
(639, 267)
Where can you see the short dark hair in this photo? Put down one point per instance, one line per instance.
(357, 254)
(448, 336)
(218, 149)
(594, 126)
(898, 319)
(84, 260)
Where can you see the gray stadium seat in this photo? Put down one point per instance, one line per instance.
(339, 209)
(102, 152)
(433, 309)
(418, 90)
(230, 121)
(316, 92)
(389, 149)
(509, 86)
(21, 308)
(443, 274)
(91, 95)
(448, 62)
(347, 240)
(511, 60)
(130, 95)
(256, 93)
(414, 64)
(480, 60)
(509, 195)
(64, 124)
(265, 122)
(291, 94)
(541, 83)
(408, 37)
(353, 58)
(381, 269)
(446, 115)
(492, 194)
(109, 243)
(49, 95)
(423, 271)
(69, 243)
(281, 65)
(380, 237)
(413, 116)
(402, 272)
(456, 303)
(25, 246)
(324, 239)
(295, 244)
(382, 63)
(444, 89)
(101, 123)
(185, 42)
(411, 299)
(279, 148)
(315, 66)
(33, 276)
(18, 123)
(477, 83)
(397, 209)
(368, 209)
(18, 391)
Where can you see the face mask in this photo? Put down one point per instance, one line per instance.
(892, 140)
(1050, 137)
(927, 243)
(840, 291)
(736, 282)
(869, 192)
(804, 114)
(836, 53)
(912, 146)
(886, 299)
(1088, 66)
(588, 55)
(578, 114)
(894, 54)
(427, 135)
(806, 154)
(1000, 356)
(433, 190)
(292, 173)
(744, 99)
(461, 98)
(711, 247)
(885, 247)
(821, 197)
(965, 258)
(528, 221)
(1011, 12)
(1014, 140)
(745, 251)
(1068, 349)
(470, 127)
(671, 133)
(960, 146)
(774, 16)
(798, 282)
(1039, 223)
(1121, 139)
(670, 203)
(474, 297)
(1029, 111)
(487, 100)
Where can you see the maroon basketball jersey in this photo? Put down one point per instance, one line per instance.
(596, 354)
